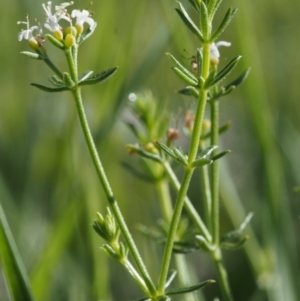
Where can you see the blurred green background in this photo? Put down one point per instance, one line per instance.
(49, 189)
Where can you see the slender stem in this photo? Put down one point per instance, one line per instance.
(222, 275)
(108, 191)
(215, 173)
(102, 176)
(187, 174)
(180, 261)
(207, 196)
(188, 206)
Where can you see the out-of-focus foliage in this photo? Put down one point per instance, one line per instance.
(48, 186)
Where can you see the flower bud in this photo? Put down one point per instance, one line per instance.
(71, 30)
(69, 40)
(58, 34)
(172, 134)
(79, 28)
(33, 44)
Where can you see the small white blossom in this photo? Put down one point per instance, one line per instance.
(214, 51)
(52, 20)
(26, 34)
(83, 17)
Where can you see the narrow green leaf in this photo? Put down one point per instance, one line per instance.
(220, 155)
(205, 153)
(166, 149)
(68, 80)
(185, 71)
(170, 278)
(212, 7)
(204, 23)
(189, 91)
(225, 71)
(222, 129)
(13, 267)
(238, 80)
(199, 61)
(54, 41)
(181, 247)
(98, 78)
(204, 244)
(210, 78)
(55, 81)
(201, 162)
(50, 89)
(84, 36)
(195, 4)
(184, 77)
(236, 234)
(188, 21)
(143, 153)
(227, 19)
(189, 289)
(32, 55)
(84, 75)
(234, 246)
(180, 156)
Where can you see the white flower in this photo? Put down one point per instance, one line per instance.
(83, 17)
(27, 33)
(52, 20)
(214, 51)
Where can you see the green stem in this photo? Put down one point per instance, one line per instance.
(188, 206)
(187, 174)
(102, 176)
(206, 196)
(222, 275)
(184, 274)
(215, 173)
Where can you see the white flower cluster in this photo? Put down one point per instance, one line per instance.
(52, 20)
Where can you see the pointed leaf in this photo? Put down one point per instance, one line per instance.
(184, 77)
(50, 89)
(212, 7)
(182, 158)
(188, 22)
(224, 72)
(236, 234)
(189, 91)
(195, 4)
(166, 149)
(201, 162)
(181, 247)
(68, 80)
(204, 23)
(85, 75)
(84, 36)
(170, 278)
(199, 61)
(182, 69)
(55, 81)
(205, 153)
(227, 19)
(98, 78)
(222, 129)
(189, 289)
(210, 78)
(238, 80)
(13, 267)
(203, 243)
(143, 153)
(234, 246)
(32, 55)
(220, 155)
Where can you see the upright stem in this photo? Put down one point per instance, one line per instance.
(215, 173)
(71, 55)
(187, 174)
